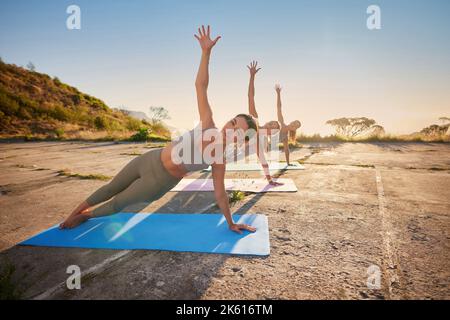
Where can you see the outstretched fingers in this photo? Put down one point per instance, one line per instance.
(253, 66)
(203, 37)
(201, 32)
(204, 32)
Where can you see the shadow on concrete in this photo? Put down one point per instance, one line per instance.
(403, 146)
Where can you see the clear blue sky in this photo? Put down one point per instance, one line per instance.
(142, 53)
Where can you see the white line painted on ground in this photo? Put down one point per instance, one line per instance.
(92, 270)
(392, 267)
(207, 208)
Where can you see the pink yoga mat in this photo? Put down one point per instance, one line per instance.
(250, 185)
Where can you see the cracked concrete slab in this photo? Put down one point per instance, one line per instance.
(323, 238)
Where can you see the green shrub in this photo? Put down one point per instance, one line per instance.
(133, 124)
(235, 196)
(114, 125)
(24, 114)
(80, 115)
(101, 123)
(4, 119)
(7, 105)
(60, 113)
(59, 132)
(76, 99)
(141, 135)
(99, 105)
(31, 106)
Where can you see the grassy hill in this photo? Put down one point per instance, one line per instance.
(35, 106)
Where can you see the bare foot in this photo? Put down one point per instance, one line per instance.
(73, 221)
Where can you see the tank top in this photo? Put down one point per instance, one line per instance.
(191, 141)
(284, 135)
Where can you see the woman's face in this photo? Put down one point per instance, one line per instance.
(295, 124)
(236, 127)
(270, 128)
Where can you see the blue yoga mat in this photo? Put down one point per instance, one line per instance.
(207, 233)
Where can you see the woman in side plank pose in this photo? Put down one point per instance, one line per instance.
(264, 131)
(149, 176)
(287, 131)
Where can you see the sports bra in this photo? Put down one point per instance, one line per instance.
(283, 135)
(191, 141)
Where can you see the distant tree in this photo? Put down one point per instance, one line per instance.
(377, 130)
(158, 114)
(436, 130)
(353, 127)
(444, 120)
(31, 66)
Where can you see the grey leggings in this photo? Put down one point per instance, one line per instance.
(143, 179)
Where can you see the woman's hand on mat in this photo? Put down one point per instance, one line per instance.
(253, 67)
(274, 183)
(239, 227)
(204, 38)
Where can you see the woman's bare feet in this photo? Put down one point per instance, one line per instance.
(74, 220)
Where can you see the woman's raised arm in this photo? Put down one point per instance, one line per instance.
(279, 112)
(251, 88)
(202, 81)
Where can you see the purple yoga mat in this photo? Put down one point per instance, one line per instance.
(250, 185)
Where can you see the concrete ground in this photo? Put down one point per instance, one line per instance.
(360, 207)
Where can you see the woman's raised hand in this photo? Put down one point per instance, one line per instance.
(253, 67)
(277, 88)
(204, 38)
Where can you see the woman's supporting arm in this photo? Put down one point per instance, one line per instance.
(262, 159)
(202, 80)
(251, 88)
(286, 150)
(218, 173)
